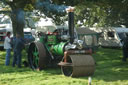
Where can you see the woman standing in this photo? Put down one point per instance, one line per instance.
(7, 47)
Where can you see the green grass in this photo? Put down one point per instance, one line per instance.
(110, 70)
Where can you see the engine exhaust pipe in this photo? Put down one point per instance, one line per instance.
(70, 11)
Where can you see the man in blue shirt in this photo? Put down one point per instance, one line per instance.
(18, 45)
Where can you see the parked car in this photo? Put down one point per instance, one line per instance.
(28, 37)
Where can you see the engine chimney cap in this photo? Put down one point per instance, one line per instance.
(70, 9)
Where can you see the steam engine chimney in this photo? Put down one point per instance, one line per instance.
(70, 11)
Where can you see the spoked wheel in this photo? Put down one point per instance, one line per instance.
(37, 56)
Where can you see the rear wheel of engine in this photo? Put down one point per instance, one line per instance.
(37, 56)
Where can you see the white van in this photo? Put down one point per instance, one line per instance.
(111, 36)
(5, 26)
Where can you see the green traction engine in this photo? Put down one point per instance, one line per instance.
(62, 47)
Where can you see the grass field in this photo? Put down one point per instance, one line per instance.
(110, 70)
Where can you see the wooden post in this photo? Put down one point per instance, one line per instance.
(89, 80)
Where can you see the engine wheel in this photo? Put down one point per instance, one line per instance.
(37, 56)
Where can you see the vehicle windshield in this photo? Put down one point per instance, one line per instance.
(28, 37)
(126, 34)
(46, 29)
(5, 21)
(27, 33)
(121, 35)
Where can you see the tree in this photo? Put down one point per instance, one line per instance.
(17, 14)
(19, 6)
(88, 13)
(102, 13)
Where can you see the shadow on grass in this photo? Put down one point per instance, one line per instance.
(10, 69)
(53, 71)
(110, 66)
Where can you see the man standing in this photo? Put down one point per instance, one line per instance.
(125, 49)
(7, 46)
(18, 45)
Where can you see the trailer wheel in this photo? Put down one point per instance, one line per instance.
(37, 56)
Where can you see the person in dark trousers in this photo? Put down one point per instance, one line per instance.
(125, 49)
(18, 45)
(7, 47)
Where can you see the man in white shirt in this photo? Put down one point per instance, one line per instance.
(7, 47)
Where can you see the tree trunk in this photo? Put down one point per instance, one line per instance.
(18, 23)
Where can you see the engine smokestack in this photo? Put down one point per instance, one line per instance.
(70, 11)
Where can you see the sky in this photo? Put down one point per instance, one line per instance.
(45, 22)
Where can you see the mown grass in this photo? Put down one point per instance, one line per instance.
(110, 70)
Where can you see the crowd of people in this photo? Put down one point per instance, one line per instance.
(17, 43)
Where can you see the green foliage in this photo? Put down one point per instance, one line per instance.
(103, 13)
(68, 2)
(17, 3)
(28, 7)
(110, 70)
(89, 14)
